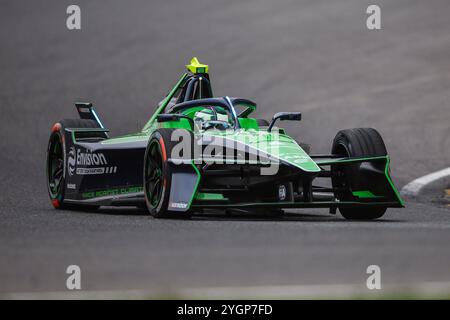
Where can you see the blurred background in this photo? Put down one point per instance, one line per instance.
(317, 57)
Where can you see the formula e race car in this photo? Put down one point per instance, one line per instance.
(200, 152)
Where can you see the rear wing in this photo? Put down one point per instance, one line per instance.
(86, 111)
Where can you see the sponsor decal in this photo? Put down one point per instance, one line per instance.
(87, 163)
(85, 171)
(71, 161)
(111, 192)
(111, 169)
(71, 186)
(84, 110)
(88, 158)
(178, 205)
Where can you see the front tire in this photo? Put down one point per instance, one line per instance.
(359, 142)
(158, 175)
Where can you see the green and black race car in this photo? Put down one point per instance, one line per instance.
(198, 152)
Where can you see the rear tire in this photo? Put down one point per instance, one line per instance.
(56, 162)
(359, 142)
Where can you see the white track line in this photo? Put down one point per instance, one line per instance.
(414, 187)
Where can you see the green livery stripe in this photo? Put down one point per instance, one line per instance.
(196, 185)
(283, 148)
(210, 196)
(248, 123)
(130, 138)
(165, 102)
(365, 194)
(388, 177)
(180, 124)
(328, 162)
(315, 204)
(111, 192)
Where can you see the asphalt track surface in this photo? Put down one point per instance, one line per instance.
(314, 57)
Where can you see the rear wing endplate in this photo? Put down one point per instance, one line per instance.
(86, 111)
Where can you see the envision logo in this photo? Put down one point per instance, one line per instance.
(71, 161)
(77, 158)
(88, 158)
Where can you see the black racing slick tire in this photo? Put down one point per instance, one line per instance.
(158, 174)
(56, 161)
(358, 142)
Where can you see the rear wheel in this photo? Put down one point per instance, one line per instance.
(56, 164)
(360, 142)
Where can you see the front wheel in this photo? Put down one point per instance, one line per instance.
(360, 142)
(158, 175)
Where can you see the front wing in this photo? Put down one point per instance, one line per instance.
(296, 189)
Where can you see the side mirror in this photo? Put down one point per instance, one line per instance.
(168, 117)
(293, 116)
